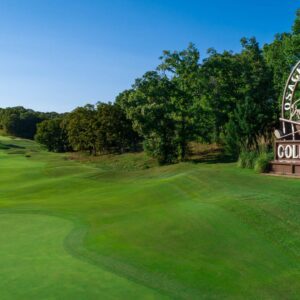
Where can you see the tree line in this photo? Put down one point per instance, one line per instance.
(21, 122)
(228, 98)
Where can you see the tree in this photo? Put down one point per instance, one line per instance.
(21, 122)
(220, 84)
(296, 26)
(103, 128)
(281, 55)
(253, 116)
(114, 130)
(81, 127)
(123, 99)
(150, 107)
(52, 135)
(184, 70)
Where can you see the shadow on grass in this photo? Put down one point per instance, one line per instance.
(212, 156)
(10, 146)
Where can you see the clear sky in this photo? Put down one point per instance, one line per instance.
(58, 54)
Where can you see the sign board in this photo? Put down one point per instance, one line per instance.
(287, 151)
(287, 145)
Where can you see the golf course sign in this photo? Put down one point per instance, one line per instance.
(287, 144)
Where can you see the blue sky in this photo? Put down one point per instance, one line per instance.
(58, 54)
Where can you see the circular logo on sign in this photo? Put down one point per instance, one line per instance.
(290, 112)
(291, 97)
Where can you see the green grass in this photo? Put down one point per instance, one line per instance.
(115, 229)
(36, 264)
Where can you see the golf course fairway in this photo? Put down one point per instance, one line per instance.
(46, 270)
(122, 228)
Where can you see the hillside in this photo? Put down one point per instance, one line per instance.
(124, 228)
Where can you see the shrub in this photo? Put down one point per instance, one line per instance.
(242, 160)
(262, 162)
(247, 159)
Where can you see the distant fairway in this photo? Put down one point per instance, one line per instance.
(116, 229)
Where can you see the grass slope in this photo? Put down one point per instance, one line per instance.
(205, 231)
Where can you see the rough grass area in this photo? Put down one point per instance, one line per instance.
(93, 230)
(121, 162)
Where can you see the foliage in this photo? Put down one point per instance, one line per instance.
(81, 127)
(257, 160)
(53, 135)
(262, 162)
(247, 159)
(165, 107)
(184, 70)
(281, 55)
(220, 75)
(150, 107)
(22, 122)
(253, 116)
(100, 129)
(296, 26)
(114, 130)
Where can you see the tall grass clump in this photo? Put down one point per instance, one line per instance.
(247, 159)
(257, 160)
(262, 162)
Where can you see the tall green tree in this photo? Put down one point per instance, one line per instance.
(281, 55)
(114, 130)
(52, 134)
(253, 117)
(150, 107)
(21, 122)
(81, 126)
(183, 68)
(123, 98)
(296, 26)
(220, 84)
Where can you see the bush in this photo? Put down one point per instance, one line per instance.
(247, 159)
(262, 162)
(242, 160)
